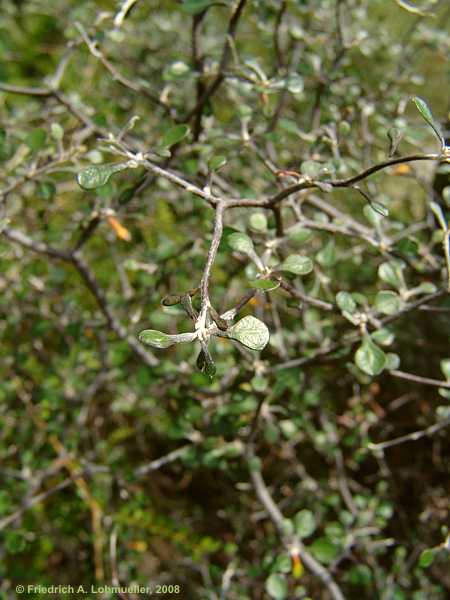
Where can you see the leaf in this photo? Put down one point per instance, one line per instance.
(392, 361)
(445, 368)
(426, 113)
(121, 232)
(395, 137)
(300, 265)
(174, 135)
(372, 215)
(276, 586)
(46, 190)
(35, 140)
(300, 235)
(217, 162)
(258, 221)
(158, 339)
(205, 364)
(392, 273)
(370, 358)
(250, 332)
(327, 256)
(387, 302)
(305, 523)
(154, 338)
(241, 243)
(324, 550)
(426, 558)
(95, 176)
(346, 302)
(406, 5)
(193, 7)
(407, 246)
(265, 285)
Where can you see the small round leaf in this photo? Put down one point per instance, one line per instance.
(250, 332)
(300, 265)
(370, 358)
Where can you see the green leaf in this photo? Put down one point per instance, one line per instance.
(407, 246)
(445, 368)
(327, 256)
(241, 243)
(383, 336)
(46, 190)
(392, 361)
(265, 285)
(206, 365)
(324, 550)
(95, 176)
(370, 358)
(387, 302)
(158, 339)
(276, 586)
(154, 338)
(410, 7)
(250, 332)
(174, 135)
(258, 221)
(426, 288)
(300, 235)
(426, 558)
(310, 168)
(193, 7)
(36, 139)
(426, 113)
(392, 273)
(300, 265)
(216, 162)
(346, 302)
(305, 523)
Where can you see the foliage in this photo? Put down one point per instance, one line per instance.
(225, 266)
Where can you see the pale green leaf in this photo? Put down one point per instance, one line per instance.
(265, 285)
(250, 332)
(216, 162)
(370, 358)
(346, 302)
(426, 113)
(258, 221)
(387, 302)
(392, 273)
(305, 523)
(241, 243)
(299, 265)
(154, 338)
(95, 176)
(276, 586)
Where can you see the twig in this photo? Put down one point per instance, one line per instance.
(226, 54)
(76, 259)
(160, 462)
(264, 496)
(32, 502)
(217, 236)
(418, 379)
(410, 437)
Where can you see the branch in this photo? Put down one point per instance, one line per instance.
(89, 279)
(411, 437)
(418, 379)
(291, 544)
(217, 236)
(226, 53)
